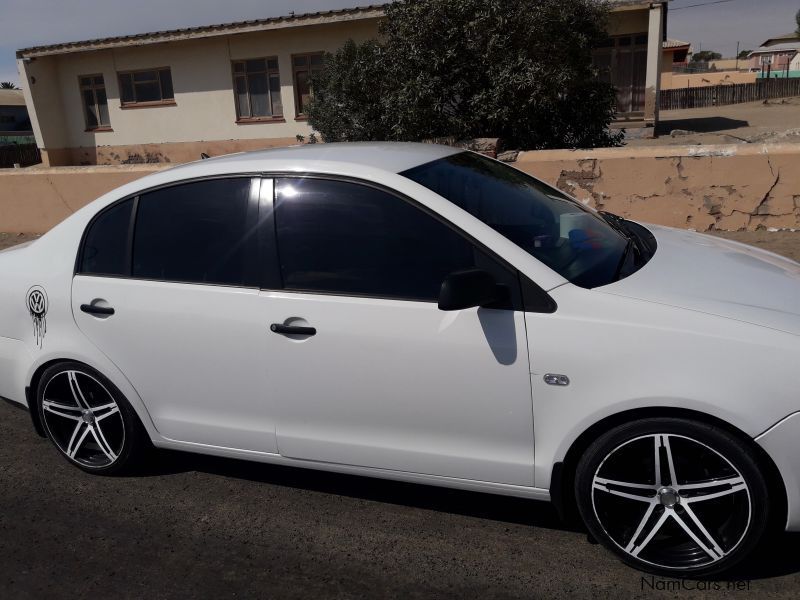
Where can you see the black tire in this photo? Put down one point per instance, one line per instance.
(650, 526)
(89, 421)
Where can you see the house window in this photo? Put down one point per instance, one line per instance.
(257, 84)
(304, 67)
(95, 103)
(153, 86)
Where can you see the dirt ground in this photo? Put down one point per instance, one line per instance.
(786, 243)
(775, 121)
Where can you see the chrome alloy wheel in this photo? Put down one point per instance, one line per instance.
(671, 501)
(83, 419)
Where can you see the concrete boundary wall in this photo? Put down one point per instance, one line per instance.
(733, 187)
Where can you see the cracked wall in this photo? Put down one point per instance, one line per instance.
(695, 187)
(692, 187)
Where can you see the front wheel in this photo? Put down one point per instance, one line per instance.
(673, 496)
(88, 419)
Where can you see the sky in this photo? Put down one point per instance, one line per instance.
(25, 23)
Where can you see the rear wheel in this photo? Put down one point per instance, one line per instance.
(88, 419)
(673, 496)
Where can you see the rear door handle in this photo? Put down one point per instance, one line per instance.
(292, 329)
(91, 309)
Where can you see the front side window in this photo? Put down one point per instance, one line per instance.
(345, 238)
(151, 86)
(200, 232)
(563, 234)
(258, 89)
(95, 103)
(304, 66)
(105, 247)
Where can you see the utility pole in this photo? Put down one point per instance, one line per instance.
(737, 55)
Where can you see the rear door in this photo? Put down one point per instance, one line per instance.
(179, 268)
(387, 380)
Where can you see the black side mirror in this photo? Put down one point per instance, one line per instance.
(467, 289)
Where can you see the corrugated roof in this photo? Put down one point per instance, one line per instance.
(292, 20)
(675, 44)
(787, 47)
(155, 37)
(12, 98)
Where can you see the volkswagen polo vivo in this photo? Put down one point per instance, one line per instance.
(421, 313)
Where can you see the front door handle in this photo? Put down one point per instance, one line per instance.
(292, 329)
(91, 309)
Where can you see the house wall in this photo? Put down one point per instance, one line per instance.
(680, 81)
(204, 115)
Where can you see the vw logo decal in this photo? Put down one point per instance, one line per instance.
(37, 307)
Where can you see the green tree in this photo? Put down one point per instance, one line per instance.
(520, 70)
(706, 56)
(744, 54)
(7, 85)
(797, 20)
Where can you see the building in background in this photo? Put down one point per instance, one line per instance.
(170, 96)
(778, 57)
(14, 120)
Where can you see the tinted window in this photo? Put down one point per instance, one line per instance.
(565, 235)
(352, 239)
(198, 233)
(105, 249)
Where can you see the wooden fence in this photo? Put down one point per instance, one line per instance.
(722, 95)
(21, 154)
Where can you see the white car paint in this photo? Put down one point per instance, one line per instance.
(706, 325)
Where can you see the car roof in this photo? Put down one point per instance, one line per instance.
(394, 157)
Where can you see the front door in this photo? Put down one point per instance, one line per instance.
(387, 380)
(184, 289)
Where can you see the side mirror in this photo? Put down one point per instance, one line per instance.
(467, 289)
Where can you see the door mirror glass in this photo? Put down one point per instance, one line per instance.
(468, 289)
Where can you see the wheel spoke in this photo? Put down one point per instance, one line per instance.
(672, 477)
(653, 532)
(703, 530)
(603, 488)
(76, 390)
(712, 484)
(739, 487)
(98, 436)
(75, 441)
(638, 486)
(52, 408)
(711, 552)
(632, 544)
(657, 444)
(110, 409)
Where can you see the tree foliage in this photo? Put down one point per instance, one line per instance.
(7, 85)
(705, 56)
(744, 54)
(520, 70)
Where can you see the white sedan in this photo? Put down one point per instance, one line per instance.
(421, 313)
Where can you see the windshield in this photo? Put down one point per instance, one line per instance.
(571, 239)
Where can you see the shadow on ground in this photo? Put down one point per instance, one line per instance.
(778, 557)
(701, 125)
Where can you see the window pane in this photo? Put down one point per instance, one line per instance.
(300, 61)
(196, 233)
(255, 65)
(166, 84)
(259, 100)
(145, 76)
(238, 67)
(303, 91)
(106, 247)
(272, 63)
(86, 81)
(351, 239)
(102, 105)
(90, 109)
(126, 88)
(316, 59)
(275, 94)
(99, 80)
(241, 97)
(148, 92)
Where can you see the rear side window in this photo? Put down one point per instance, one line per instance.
(345, 238)
(105, 248)
(200, 232)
